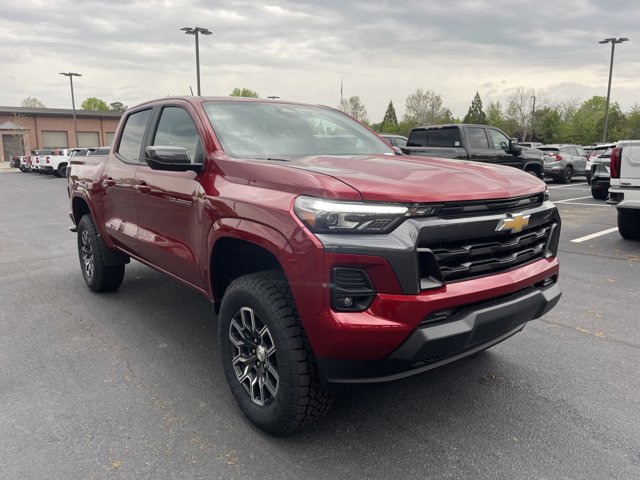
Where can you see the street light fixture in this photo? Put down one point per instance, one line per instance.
(73, 101)
(195, 31)
(613, 42)
(273, 97)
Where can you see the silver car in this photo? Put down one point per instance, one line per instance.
(562, 162)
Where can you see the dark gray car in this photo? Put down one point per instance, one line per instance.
(562, 162)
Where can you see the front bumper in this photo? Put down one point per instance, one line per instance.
(432, 345)
(428, 273)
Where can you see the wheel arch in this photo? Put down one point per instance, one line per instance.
(79, 208)
(534, 167)
(251, 247)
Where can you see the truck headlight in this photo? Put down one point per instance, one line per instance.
(333, 216)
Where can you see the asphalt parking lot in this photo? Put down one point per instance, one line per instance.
(128, 385)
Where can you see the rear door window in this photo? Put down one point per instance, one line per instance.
(445, 137)
(477, 138)
(132, 136)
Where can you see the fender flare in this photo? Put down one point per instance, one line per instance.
(250, 231)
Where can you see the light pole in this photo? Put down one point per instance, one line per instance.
(73, 101)
(533, 117)
(195, 31)
(613, 42)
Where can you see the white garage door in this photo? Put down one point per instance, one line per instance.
(109, 136)
(88, 139)
(53, 139)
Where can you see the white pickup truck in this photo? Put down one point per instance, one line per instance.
(625, 187)
(57, 162)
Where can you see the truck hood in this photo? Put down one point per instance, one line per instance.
(422, 179)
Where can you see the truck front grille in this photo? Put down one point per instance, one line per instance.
(469, 258)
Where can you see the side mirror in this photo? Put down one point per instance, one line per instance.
(398, 150)
(172, 159)
(514, 147)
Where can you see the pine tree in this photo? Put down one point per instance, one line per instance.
(475, 113)
(390, 116)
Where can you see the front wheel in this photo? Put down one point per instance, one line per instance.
(629, 223)
(267, 360)
(98, 276)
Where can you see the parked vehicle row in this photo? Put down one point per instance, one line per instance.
(53, 162)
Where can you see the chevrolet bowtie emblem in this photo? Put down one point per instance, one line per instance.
(515, 223)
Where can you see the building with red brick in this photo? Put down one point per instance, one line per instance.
(25, 129)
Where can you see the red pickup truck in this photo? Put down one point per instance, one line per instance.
(328, 257)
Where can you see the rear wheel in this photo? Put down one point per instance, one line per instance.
(98, 276)
(61, 171)
(566, 175)
(599, 193)
(267, 360)
(629, 223)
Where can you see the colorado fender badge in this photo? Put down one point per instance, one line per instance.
(514, 222)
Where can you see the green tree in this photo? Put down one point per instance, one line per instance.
(425, 108)
(497, 118)
(355, 108)
(117, 107)
(244, 92)
(632, 125)
(549, 127)
(95, 104)
(390, 119)
(475, 113)
(587, 124)
(32, 102)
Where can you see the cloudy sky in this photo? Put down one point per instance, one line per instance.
(299, 50)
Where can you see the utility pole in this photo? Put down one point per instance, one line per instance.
(73, 101)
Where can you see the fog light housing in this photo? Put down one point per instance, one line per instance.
(351, 289)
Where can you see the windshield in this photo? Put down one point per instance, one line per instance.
(287, 131)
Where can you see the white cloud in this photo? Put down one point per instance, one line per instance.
(132, 51)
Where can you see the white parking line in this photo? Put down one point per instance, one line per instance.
(566, 200)
(589, 204)
(594, 235)
(569, 185)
